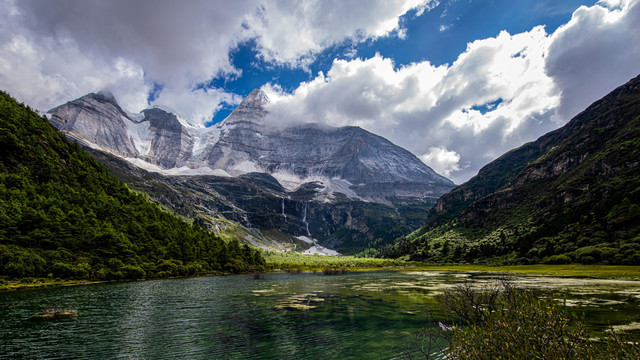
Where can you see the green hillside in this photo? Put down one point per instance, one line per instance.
(573, 195)
(62, 214)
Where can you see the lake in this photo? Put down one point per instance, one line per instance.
(360, 315)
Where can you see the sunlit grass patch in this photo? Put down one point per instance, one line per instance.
(573, 270)
(284, 261)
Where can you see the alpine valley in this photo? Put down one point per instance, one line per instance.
(307, 188)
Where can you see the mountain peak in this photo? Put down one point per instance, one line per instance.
(257, 99)
(105, 95)
(251, 109)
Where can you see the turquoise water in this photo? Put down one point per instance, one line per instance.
(361, 315)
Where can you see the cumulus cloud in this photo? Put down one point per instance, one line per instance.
(122, 46)
(595, 52)
(292, 31)
(45, 72)
(441, 160)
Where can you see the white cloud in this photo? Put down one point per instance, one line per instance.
(57, 51)
(611, 4)
(595, 52)
(53, 52)
(198, 103)
(441, 160)
(49, 74)
(292, 32)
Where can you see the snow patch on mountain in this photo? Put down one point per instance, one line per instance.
(180, 171)
(291, 182)
(246, 166)
(203, 140)
(141, 136)
(330, 163)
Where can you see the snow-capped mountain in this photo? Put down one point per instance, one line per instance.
(303, 188)
(345, 161)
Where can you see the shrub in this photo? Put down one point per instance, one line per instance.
(588, 254)
(63, 270)
(557, 259)
(510, 323)
(132, 272)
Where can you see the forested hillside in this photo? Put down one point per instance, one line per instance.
(62, 214)
(573, 195)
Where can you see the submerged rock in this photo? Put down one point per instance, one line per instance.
(56, 314)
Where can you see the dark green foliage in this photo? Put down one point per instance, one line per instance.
(573, 195)
(62, 214)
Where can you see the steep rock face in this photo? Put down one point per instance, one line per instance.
(350, 153)
(155, 136)
(495, 175)
(572, 192)
(346, 162)
(171, 144)
(97, 119)
(343, 160)
(343, 186)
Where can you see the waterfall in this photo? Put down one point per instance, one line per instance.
(304, 219)
(283, 214)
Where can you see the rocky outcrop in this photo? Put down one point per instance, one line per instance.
(171, 144)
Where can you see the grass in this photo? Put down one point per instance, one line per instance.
(573, 270)
(292, 261)
(282, 261)
(286, 261)
(34, 283)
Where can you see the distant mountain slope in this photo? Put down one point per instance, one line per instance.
(348, 153)
(572, 195)
(63, 214)
(340, 187)
(346, 160)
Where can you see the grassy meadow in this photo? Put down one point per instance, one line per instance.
(288, 261)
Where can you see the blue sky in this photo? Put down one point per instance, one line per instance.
(456, 82)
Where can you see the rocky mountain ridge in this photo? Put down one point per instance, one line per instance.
(339, 187)
(346, 161)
